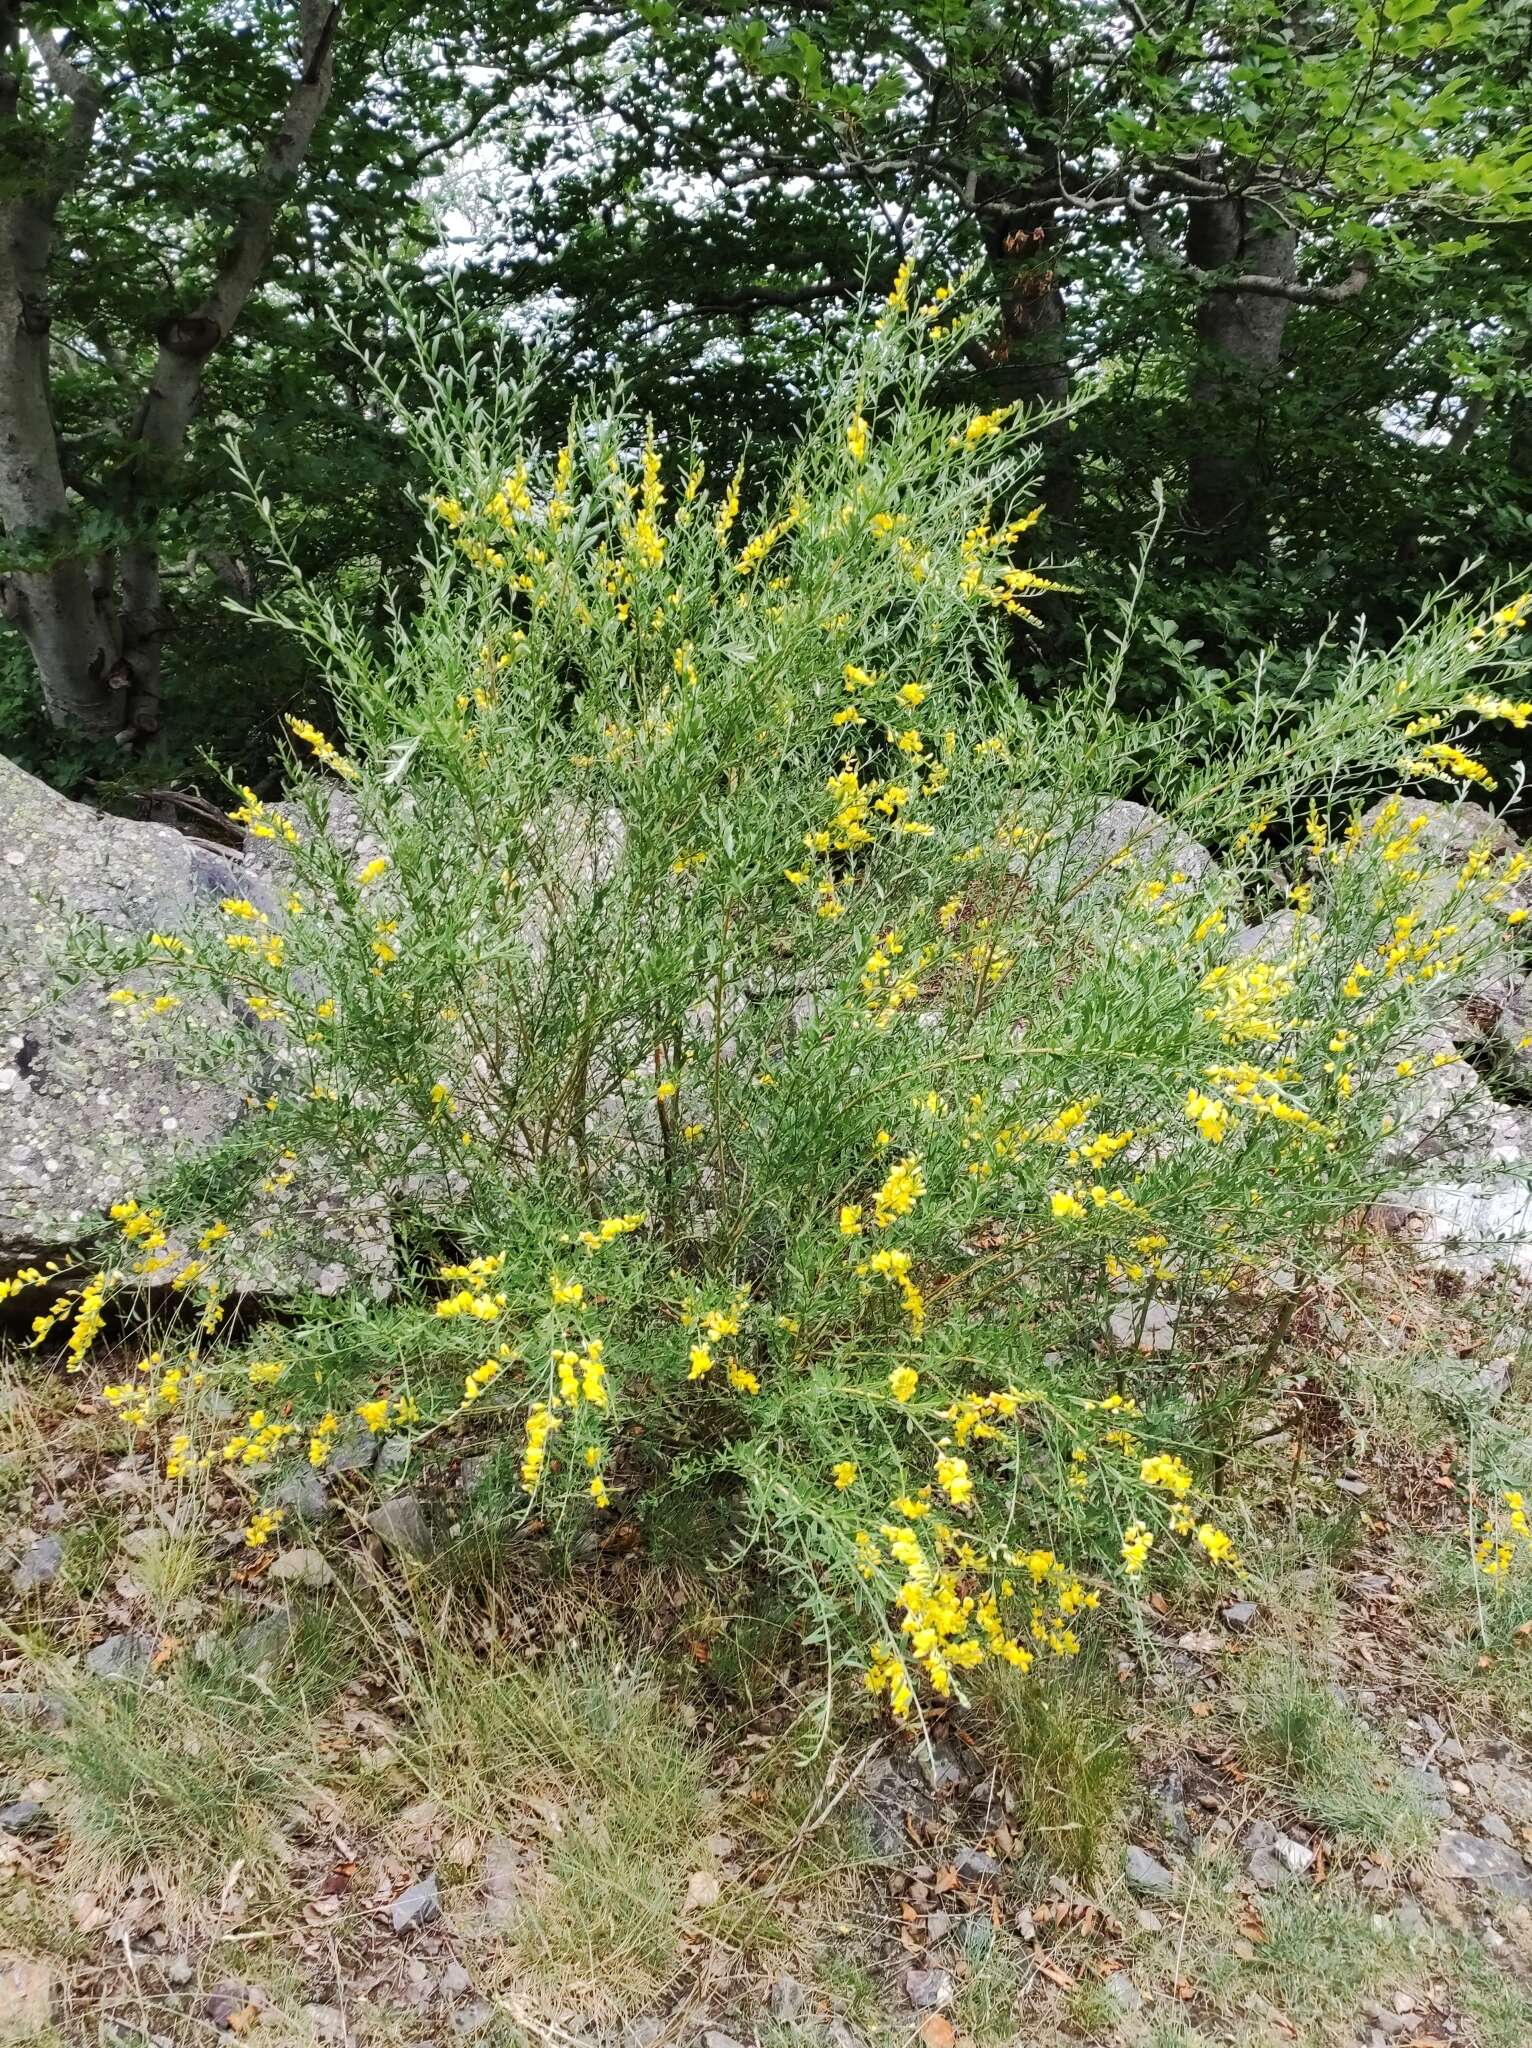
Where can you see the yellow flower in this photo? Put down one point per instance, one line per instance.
(952, 1477)
(1065, 1206)
(1166, 1471)
(701, 1362)
(1209, 1113)
(262, 1527)
(321, 748)
(1217, 1545)
(566, 1293)
(611, 1228)
(1136, 1544)
(844, 1475)
(856, 438)
(903, 1381)
(899, 1193)
(850, 1219)
(374, 1414)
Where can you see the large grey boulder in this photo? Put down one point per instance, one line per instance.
(98, 1101)
(1447, 836)
(95, 1100)
(1095, 846)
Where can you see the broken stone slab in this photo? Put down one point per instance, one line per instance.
(1270, 939)
(1510, 1041)
(1473, 1227)
(1146, 1327)
(1099, 846)
(1491, 1865)
(98, 1101)
(1447, 834)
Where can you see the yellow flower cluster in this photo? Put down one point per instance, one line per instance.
(1495, 1553)
(611, 1228)
(950, 1609)
(322, 749)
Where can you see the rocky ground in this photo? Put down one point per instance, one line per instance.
(354, 1797)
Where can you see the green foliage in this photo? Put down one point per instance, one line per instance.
(196, 1771)
(1065, 1759)
(587, 1742)
(1331, 1764)
(781, 1052)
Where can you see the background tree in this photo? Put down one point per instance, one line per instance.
(1281, 245)
(178, 189)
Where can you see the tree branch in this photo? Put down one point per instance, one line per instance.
(1153, 238)
(83, 94)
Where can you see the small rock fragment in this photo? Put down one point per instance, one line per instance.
(975, 1865)
(1241, 1614)
(786, 1999)
(929, 1990)
(259, 1642)
(25, 1998)
(40, 1566)
(1482, 1862)
(120, 1656)
(1145, 1873)
(1272, 1858)
(1123, 1992)
(302, 1567)
(416, 1907)
(403, 1526)
(302, 1495)
(25, 1817)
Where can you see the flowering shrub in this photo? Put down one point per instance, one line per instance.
(780, 1060)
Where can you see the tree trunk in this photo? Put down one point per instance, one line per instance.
(69, 633)
(95, 628)
(1239, 355)
(54, 604)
